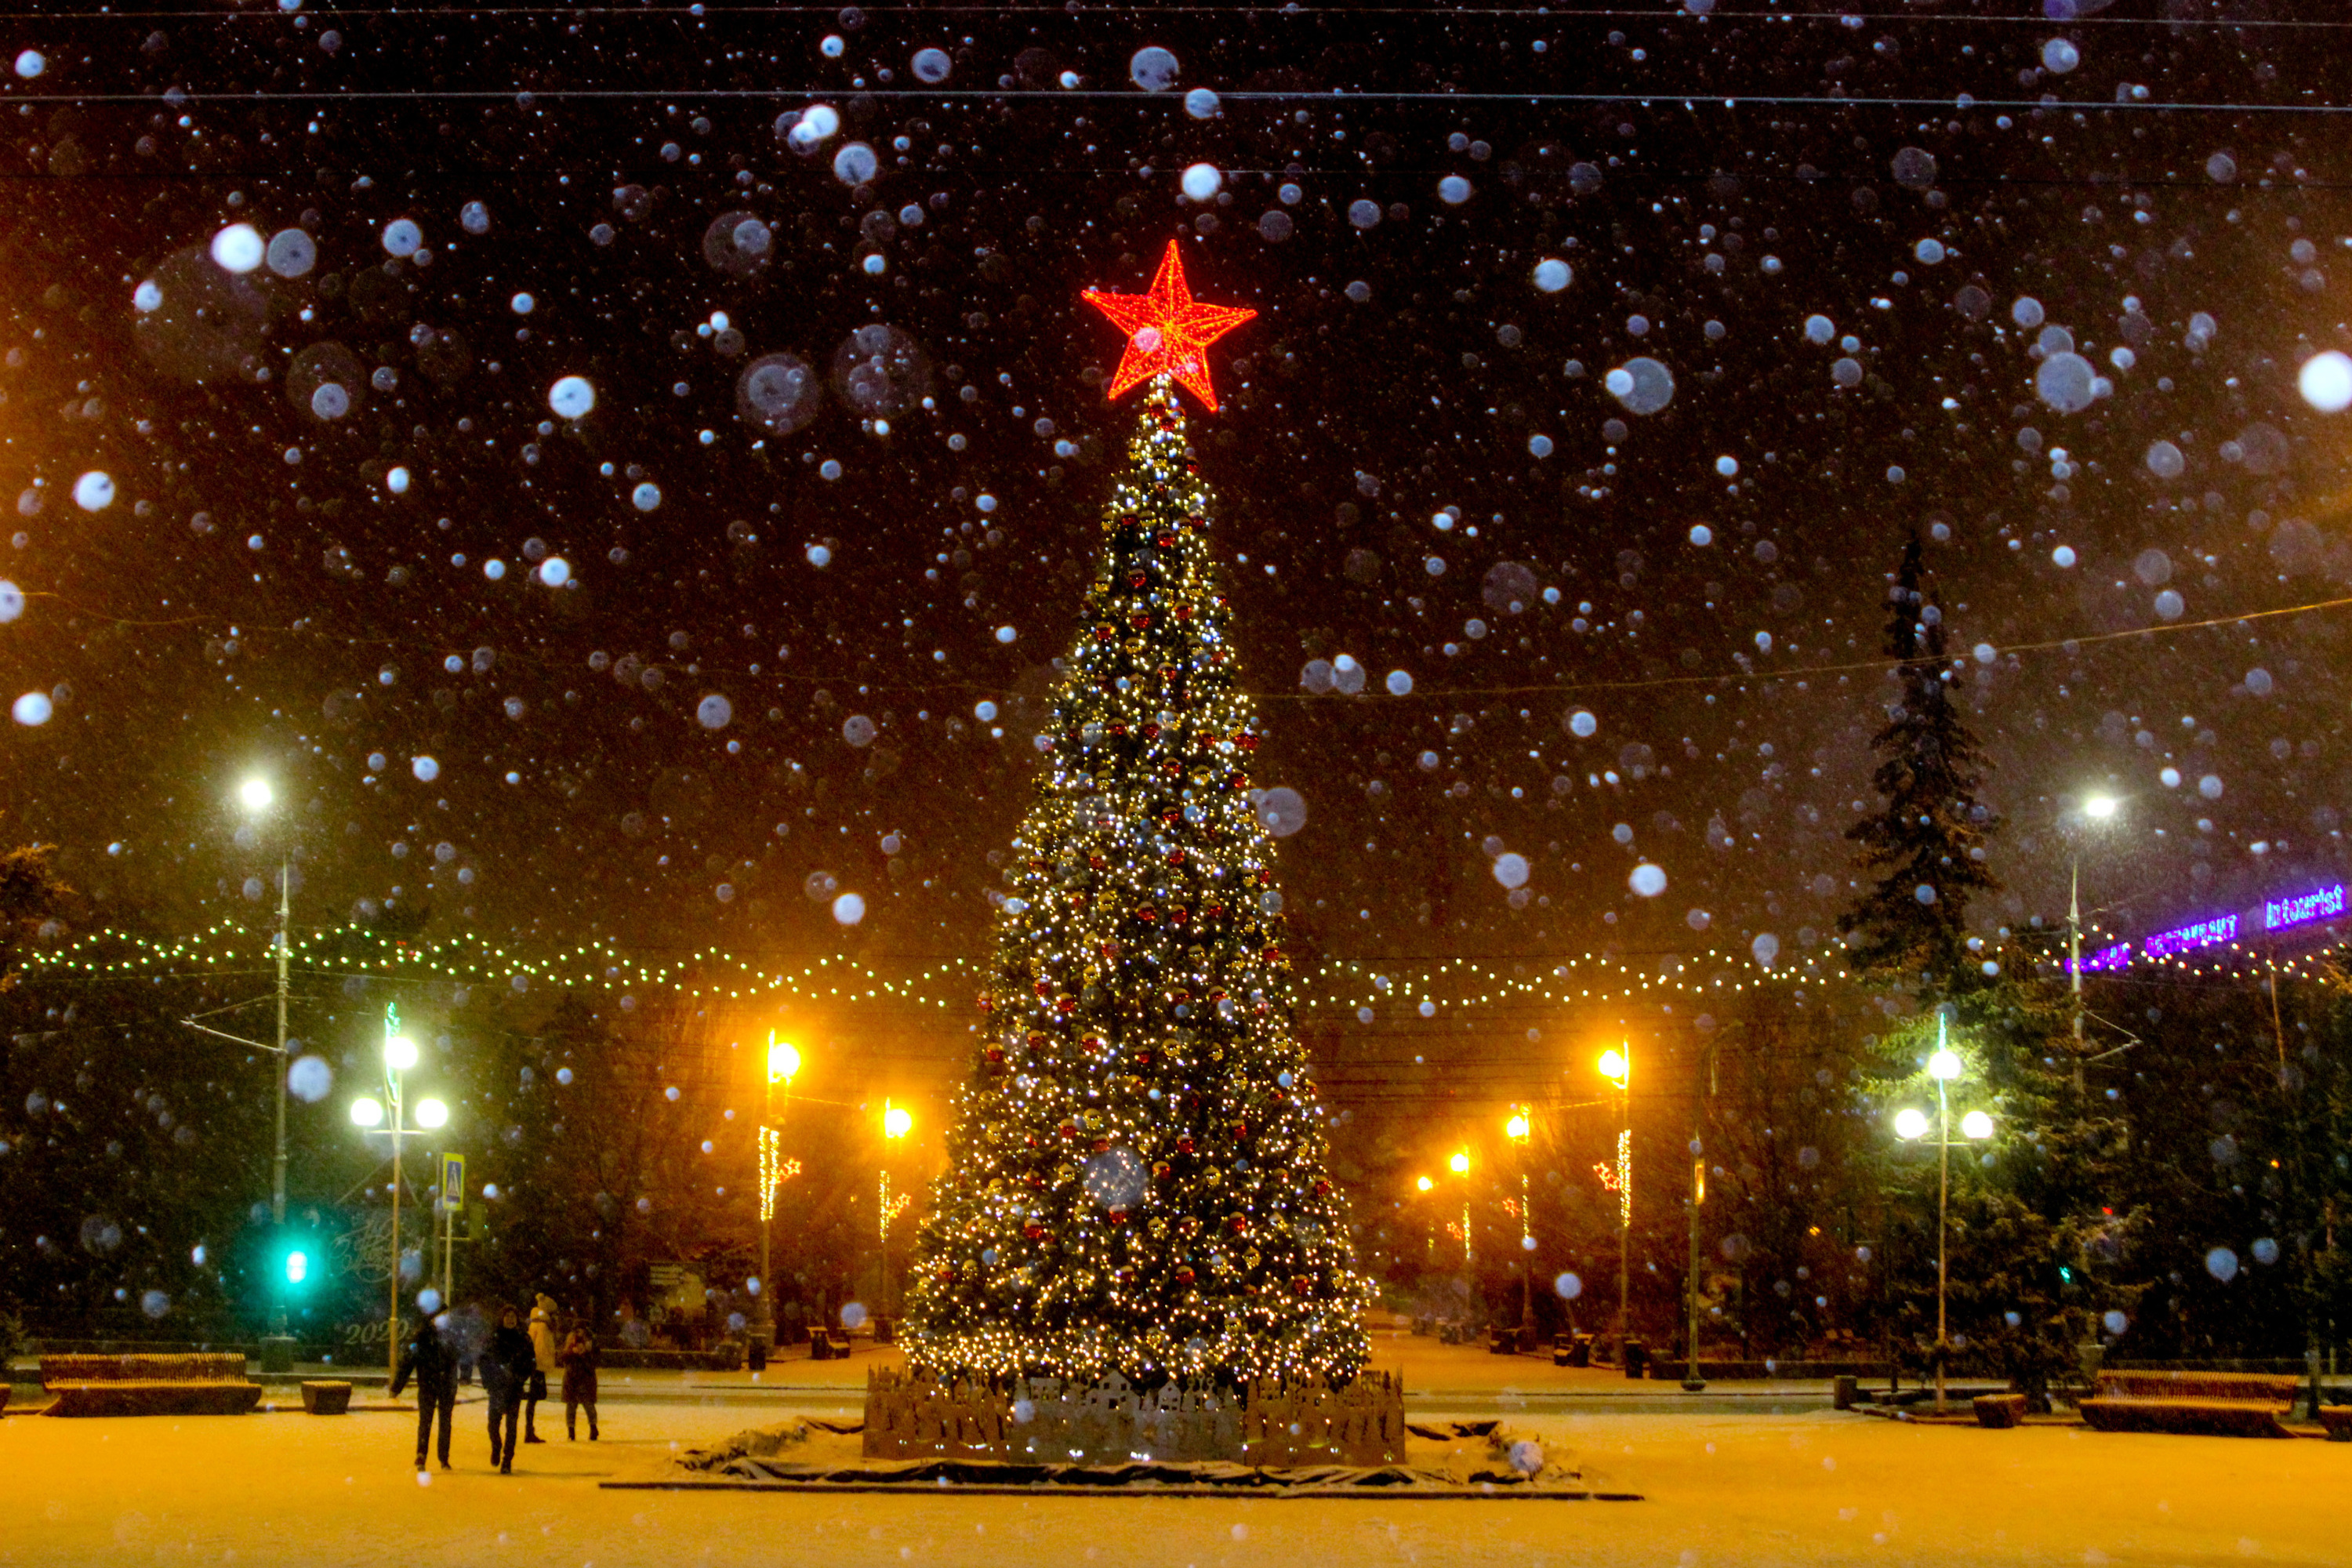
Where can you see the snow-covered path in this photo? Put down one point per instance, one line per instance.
(1722, 1489)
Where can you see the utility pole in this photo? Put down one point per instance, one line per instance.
(2095, 808)
(2074, 960)
(285, 953)
(1692, 1380)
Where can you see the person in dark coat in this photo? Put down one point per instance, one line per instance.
(507, 1369)
(432, 1360)
(580, 1358)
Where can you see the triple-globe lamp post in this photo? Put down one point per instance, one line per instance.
(1912, 1124)
(386, 1118)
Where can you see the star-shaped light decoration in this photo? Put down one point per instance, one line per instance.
(1167, 330)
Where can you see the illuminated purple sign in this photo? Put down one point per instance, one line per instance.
(2188, 938)
(2284, 914)
(2278, 914)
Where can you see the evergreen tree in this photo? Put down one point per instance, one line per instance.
(1137, 1177)
(1925, 845)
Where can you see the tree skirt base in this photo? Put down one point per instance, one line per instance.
(1202, 1479)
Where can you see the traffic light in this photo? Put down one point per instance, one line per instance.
(298, 1267)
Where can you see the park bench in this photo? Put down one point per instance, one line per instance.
(201, 1384)
(2337, 1421)
(2204, 1404)
(828, 1345)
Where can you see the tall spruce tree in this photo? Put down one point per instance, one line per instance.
(1925, 847)
(1137, 1179)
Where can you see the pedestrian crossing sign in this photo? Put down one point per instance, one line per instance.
(453, 1181)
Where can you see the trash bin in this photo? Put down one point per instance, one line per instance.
(1842, 1390)
(759, 1352)
(1581, 1353)
(1637, 1358)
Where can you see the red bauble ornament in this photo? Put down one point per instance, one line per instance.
(1167, 330)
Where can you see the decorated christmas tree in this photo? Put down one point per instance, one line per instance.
(1136, 1178)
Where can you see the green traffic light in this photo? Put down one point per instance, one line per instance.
(298, 1267)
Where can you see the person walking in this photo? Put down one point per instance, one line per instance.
(544, 1354)
(432, 1360)
(507, 1368)
(579, 1358)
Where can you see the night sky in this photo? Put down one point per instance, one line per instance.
(332, 499)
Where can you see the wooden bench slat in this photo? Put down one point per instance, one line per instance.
(2193, 1418)
(2269, 1387)
(134, 1398)
(196, 1367)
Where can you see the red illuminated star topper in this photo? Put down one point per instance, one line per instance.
(1167, 330)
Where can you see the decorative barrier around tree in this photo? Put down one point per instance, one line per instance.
(912, 1416)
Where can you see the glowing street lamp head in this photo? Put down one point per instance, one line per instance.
(1460, 1162)
(897, 1120)
(1976, 1125)
(1424, 1183)
(400, 1053)
(784, 1060)
(368, 1111)
(1515, 1129)
(2100, 807)
(1613, 1065)
(432, 1113)
(1910, 1122)
(1944, 1066)
(255, 794)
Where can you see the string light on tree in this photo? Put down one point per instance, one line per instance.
(1137, 1179)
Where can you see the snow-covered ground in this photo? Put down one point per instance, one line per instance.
(1721, 1488)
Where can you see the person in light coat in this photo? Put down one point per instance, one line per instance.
(543, 1353)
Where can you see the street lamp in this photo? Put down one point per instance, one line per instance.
(783, 1065)
(897, 1122)
(1517, 1129)
(1459, 1164)
(256, 795)
(2097, 809)
(1617, 1066)
(1910, 1125)
(1692, 1381)
(385, 1117)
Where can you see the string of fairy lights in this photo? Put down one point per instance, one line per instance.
(1339, 985)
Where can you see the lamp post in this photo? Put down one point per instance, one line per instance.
(385, 1117)
(278, 1347)
(1459, 1164)
(1617, 1066)
(2097, 808)
(1429, 1231)
(256, 795)
(1517, 1128)
(1692, 1381)
(897, 1122)
(783, 1063)
(1911, 1124)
